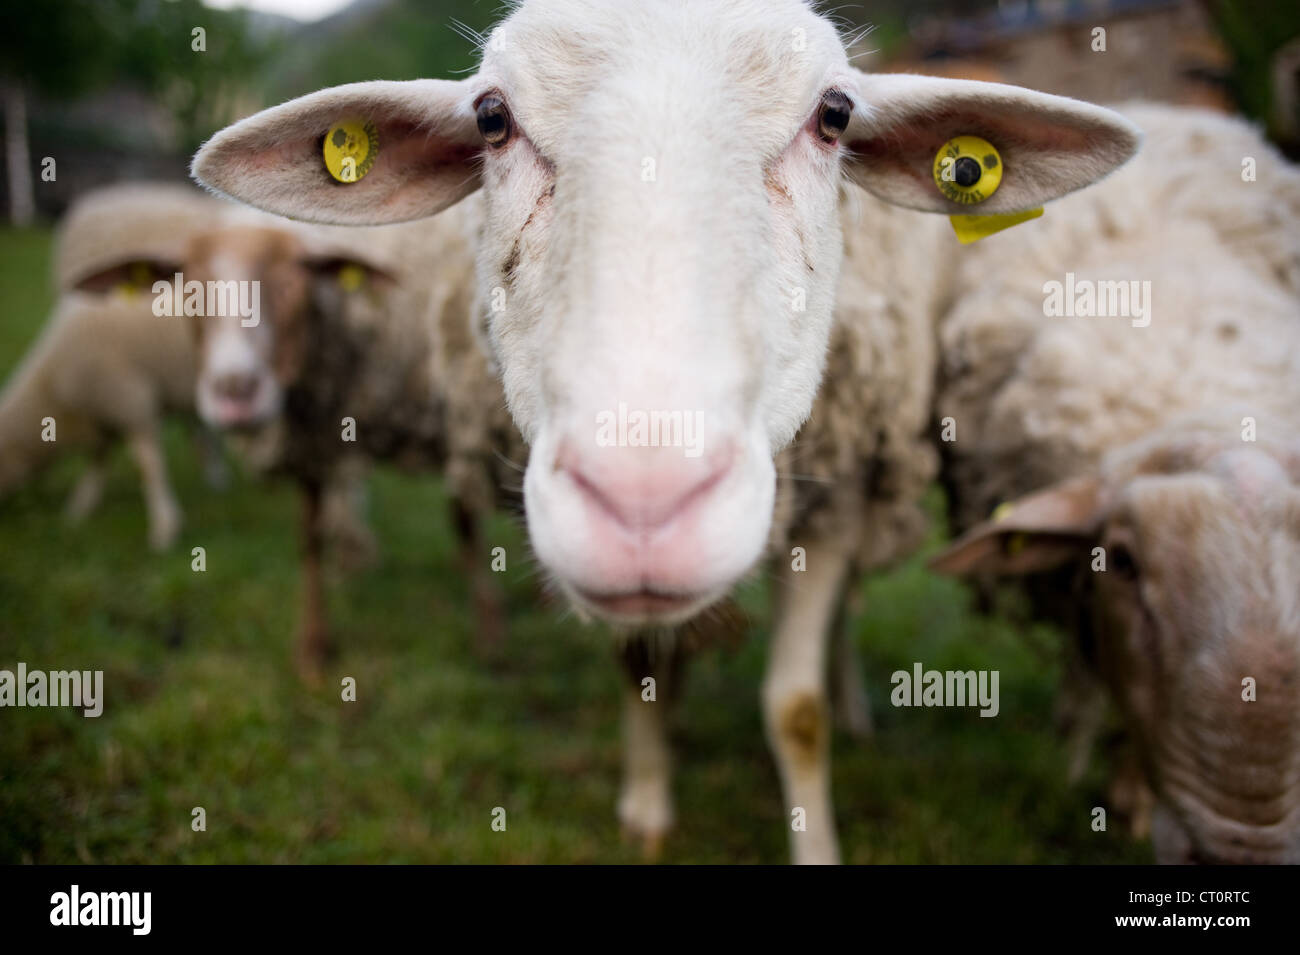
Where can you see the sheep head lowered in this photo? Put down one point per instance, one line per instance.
(660, 247)
(1194, 623)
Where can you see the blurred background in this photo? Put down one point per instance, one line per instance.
(203, 708)
(114, 89)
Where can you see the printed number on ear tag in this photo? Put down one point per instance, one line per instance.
(350, 149)
(968, 170)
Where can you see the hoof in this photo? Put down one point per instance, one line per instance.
(650, 844)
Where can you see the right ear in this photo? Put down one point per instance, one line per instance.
(1048, 145)
(1035, 533)
(428, 144)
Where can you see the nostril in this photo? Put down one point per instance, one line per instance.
(644, 491)
(236, 387)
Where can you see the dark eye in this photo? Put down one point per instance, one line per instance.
(833, 115)
(1122, 562)
(493, 120)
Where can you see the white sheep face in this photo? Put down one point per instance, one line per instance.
(661, 235)
(660, 247)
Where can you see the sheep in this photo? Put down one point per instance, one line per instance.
(661, 240)
(105, 366)
(1144, 471)
(363, 351)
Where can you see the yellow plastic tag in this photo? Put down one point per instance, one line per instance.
(1002, 512)
(350, 149)
(968, 170)
(351, 277)
(972, 228)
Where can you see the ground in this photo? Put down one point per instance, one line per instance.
(203, 708)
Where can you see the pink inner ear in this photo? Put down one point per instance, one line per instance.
(918, 140)
(108, 279)
(407, 153)
(416, 159)
(910, 147)
(275, 161)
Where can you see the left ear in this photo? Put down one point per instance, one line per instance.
(1035, 533)
(1048, 145)
(131, 275)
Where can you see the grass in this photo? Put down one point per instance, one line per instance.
(202, 707)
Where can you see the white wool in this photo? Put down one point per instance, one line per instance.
(1037, 398)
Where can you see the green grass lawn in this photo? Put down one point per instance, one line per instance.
(203, 709)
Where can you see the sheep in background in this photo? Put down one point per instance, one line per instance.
(661, 227)
(1170, 440)
(104, 366)
(362, 352)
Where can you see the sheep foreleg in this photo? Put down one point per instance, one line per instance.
(645, 803)
(795, 704)
(164, 512)
(312, 642)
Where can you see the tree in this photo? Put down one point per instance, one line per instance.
(62, 48)
(55, 48)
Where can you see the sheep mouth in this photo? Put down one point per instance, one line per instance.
(642, 605)
(239, 415)
(243, 412)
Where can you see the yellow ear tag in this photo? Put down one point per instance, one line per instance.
(968, 170)
(351, 277)
(140, 275)
(1002, 512)
(136, 280)
(350, 149)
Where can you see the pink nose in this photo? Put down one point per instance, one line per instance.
(643, 489)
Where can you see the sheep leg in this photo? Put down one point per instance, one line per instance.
(85, 497)
(795, 706)
(343, 517)
(849, 700)
(487, 597)
(212, 458)
(164, 512)
(312, 643)
(645, 802)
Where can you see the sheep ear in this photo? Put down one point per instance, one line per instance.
(1035, 533)
(1048, 145)
(350, 273)
(420, 159)
(347, 256)
(137, 275)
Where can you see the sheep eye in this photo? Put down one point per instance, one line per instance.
(1122, 562)
(493, 121)
(833, 115)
